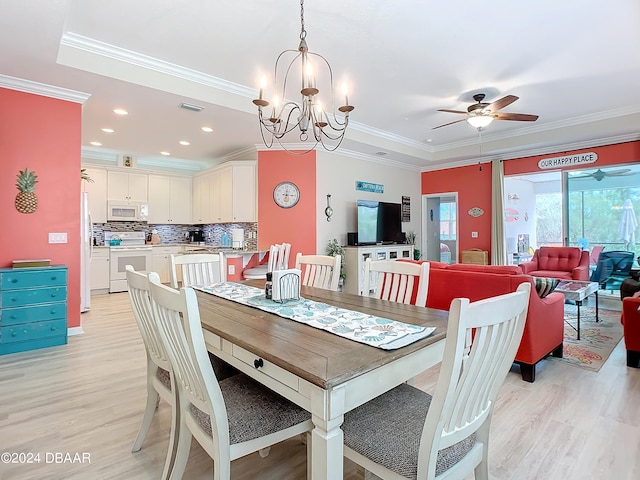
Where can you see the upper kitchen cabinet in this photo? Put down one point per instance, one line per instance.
(97, 190)
(127, 187)
(234, 193)
(201, 203)
(169, 199)
(243, 192)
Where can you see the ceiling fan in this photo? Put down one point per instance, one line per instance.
(600, 174)
(481, 114)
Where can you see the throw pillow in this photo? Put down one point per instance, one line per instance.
(544, 286)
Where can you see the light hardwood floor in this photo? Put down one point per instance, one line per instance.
(88, 398)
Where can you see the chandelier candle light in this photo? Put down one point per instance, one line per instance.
(324, 125)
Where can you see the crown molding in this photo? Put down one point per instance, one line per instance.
(43, 89)
(96, 47)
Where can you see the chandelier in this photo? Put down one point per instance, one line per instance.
(315, 122)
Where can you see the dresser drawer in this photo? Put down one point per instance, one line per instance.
(31, 331)
(19, 298)
(33, 278)
(48, 311)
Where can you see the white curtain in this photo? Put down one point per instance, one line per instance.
(498, 244)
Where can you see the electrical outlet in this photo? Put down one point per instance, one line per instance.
(232, 270)
(474, 234)
(57, 237)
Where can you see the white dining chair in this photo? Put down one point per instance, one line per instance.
(278, 260)
(197, 269)
(159, 376)
(322, 271)
(230, 418)
(407, 433)
(398, 281)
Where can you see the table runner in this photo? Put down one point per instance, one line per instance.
(357, 326)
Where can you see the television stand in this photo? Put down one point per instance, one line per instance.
(354, 258)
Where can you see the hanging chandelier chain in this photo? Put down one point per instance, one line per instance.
(303, 32)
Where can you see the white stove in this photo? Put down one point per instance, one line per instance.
(131, 251)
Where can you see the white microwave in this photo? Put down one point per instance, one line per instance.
(127, 211)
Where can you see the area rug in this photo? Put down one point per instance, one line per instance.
(597, 340)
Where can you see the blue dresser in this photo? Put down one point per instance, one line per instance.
(33, 308)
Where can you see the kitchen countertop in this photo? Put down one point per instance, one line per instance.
(195, 248)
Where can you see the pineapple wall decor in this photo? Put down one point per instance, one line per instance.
(26, 200)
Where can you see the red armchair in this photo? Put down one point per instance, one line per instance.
(564, 263)
(631, 325)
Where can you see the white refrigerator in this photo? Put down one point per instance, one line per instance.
(86, 249)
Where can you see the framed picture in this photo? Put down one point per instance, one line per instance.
(126, 161)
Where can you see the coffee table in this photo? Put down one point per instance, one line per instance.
(577, 291)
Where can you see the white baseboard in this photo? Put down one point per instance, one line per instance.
(74, 331)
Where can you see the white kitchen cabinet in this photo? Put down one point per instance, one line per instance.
(99, 270)
(220, 195)
(201, 203)
(243, 195)
(97, 190)
(354, 258)
(127, 187)
(169, 199)
(160, 260)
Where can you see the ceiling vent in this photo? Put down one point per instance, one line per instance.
(191, 106)
(381, 154)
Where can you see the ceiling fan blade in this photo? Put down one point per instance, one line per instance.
(621, 172)
(521, 117)
(501, 103)
(450, 123)
(452, 111)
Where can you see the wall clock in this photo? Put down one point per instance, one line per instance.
(286, 194)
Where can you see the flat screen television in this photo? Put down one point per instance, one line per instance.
(379, 222)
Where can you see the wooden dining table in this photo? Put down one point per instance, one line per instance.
(324, 373)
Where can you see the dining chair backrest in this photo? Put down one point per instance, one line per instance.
(197, 269)
(482, 340)
(159, 373)
(322, 271)
(203, 406)
(451, 428)
(279, 257)
(139, 296)
(402, 282)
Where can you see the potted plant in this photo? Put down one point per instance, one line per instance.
(333, 249)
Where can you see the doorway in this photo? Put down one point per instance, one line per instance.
(440, 227)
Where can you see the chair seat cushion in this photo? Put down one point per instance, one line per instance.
(164, 376)
(387, 430)
(253, 410)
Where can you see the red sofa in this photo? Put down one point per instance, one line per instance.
(631, 325)
(544, 327)
(565, 263)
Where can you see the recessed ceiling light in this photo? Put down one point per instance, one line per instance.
(96, 144)
(108, 130)
(207, 129)
(184, 142)
(165, 153)
(120, 111)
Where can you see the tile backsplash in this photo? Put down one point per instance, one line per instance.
(172, 234)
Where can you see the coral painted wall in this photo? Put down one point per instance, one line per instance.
(43, 134)
(473, 184)
(296, 225)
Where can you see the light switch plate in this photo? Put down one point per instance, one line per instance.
(58, 237)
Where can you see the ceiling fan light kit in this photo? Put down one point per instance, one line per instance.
(481, 114)
(321, 124)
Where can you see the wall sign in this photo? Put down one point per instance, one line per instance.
(568, 161)
(406, 209)
(369, 187)
(476, 212)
